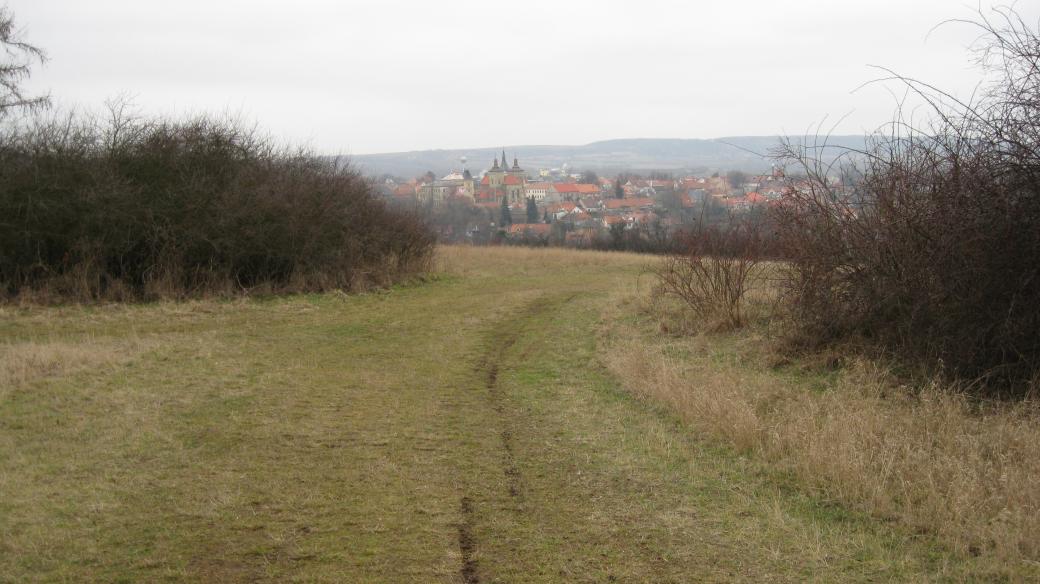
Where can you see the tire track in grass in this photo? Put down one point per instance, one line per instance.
(469, 563)
(501, 339)
(509, 467)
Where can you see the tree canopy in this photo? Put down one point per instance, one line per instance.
(532, 210)
(589, 177)
(505, 218)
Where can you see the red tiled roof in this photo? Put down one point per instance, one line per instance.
(626, 203)
(578, 188)
(535, 228)
(565, 187)
(568, 207)
(513, 180)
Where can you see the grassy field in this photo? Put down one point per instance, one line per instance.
(477, 427)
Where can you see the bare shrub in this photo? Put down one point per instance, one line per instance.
(719, 266)
(928, 249)
(137, 209)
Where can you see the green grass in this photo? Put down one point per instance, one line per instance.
(462, 428)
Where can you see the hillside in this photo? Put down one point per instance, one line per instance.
(748, 153)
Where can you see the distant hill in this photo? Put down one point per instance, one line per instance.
(747, 153)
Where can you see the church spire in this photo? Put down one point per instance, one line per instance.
(495, 165)
(505, 163)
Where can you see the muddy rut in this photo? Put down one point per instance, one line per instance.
(500, 340)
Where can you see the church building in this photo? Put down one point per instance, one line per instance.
(503, 181)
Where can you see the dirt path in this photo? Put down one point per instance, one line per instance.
(603, 488)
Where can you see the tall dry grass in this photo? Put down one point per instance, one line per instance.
(933, 459)
(465, 260)
(22, 363)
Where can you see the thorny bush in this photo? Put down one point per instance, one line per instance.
(929, 249)
(140, 209)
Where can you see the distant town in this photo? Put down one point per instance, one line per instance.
(558, 206)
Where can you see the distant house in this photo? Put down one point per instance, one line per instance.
(581, 237)
(592, 203)
(635, 203)
(405, 192)
(755, 198)
(537, 190)
(560, 210)
(529, 230)
(736, 203)
(578, 215)
(572, 191)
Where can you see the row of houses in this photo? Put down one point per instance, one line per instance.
(512, 183)
(589, 214)
(607, 204)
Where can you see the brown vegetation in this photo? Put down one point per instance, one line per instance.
(924, 254)
(25, 362)
(930, 252)
(718, 267)
(928, 457)
(141, 209)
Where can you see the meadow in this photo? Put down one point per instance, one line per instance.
(519, 415)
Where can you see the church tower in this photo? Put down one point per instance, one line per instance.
(503, 182)
(496, 176)
(515, 181)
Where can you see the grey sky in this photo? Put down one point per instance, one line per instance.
(385, 75)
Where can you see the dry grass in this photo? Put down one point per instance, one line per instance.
(334, 438)
(463, 260)
(22, 363)
(926, 457)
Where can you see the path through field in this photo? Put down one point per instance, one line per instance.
(462, 430)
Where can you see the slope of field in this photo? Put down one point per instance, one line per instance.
(460, 430)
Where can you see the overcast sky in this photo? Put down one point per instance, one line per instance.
(388, 75)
